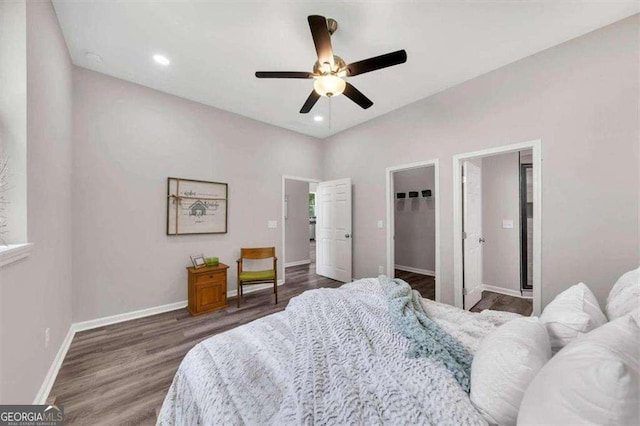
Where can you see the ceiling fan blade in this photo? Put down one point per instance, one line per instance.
(376, 63)
(310, 102)
(283, 74)
(321, 38)
(356, 96)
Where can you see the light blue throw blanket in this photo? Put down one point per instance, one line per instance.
(428, 338)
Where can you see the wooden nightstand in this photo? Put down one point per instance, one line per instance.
(207, 289)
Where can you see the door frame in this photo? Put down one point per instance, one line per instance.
(435, 163)
(458, 267)
(282, 217)
(523, 226)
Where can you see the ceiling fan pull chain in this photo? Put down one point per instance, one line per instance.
(330, 113)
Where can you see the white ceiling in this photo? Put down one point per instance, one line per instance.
(216, 46)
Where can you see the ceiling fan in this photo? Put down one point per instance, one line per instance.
(330, 71)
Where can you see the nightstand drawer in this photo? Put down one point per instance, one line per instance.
(212, 277)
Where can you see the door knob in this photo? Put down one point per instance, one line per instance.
(347, 235)
(481, 240)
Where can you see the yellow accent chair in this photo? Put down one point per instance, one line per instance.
(257, 277)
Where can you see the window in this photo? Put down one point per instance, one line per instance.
(312, 204)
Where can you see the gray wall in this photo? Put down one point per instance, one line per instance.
(128, 139)
(500, 201)
(297, 224)
(415, 220)
(580, 98)
(35, 293)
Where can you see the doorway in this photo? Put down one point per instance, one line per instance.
(316, 231)
(413, 248)
(298, 229)
(491, 258)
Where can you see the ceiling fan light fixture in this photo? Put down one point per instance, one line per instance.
(330, 71)
(329, 85)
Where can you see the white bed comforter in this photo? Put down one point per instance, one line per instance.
(333, 357)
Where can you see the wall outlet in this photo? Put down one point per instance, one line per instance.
(47, 337)
(381, 269)
(380, 224)
(272, 224)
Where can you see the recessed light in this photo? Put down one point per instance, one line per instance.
(162, 60)
(318, 118)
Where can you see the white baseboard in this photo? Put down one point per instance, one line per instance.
(505, 291)
(416, 270)
(257, 287)
(127, 316)
(297, 263)
(50, 378)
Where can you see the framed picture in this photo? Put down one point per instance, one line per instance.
(196, 207)
(198, 261)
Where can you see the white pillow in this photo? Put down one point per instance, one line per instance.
(503, 366)
(594, 380)
(624, 296)
(572, 313)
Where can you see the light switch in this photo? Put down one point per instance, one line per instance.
(380, 224)
(507, 224)
(272, 224)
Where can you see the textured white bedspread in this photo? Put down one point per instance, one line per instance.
(251, 374)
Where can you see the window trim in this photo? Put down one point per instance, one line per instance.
(14, 252)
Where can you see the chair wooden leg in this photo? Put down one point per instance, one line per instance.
(239, 293)
(275, 277)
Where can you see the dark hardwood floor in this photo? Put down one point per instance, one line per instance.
(498, 302)
(502, 302)
(425, 284)
(119, 374)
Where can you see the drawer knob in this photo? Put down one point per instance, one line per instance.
(210, 276)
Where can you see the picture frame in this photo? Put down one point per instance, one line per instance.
(196, 207)
(198, 261)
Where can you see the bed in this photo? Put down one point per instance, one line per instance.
(333, 357)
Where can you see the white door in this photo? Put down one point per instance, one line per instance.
(333, 229)
(472, 228)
